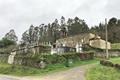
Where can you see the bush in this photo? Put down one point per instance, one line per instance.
(110, 64)
(106, 63)
(117, 66)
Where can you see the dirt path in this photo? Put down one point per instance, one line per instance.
(6, 77)
(72, 74)
(77, 73)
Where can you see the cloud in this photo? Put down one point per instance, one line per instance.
(112, 8)
(20, 14)
(92, 11)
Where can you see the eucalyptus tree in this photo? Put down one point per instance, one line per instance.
(11, 35)
(77, 26)
(26, 38)
(31, 34)
(36, 35)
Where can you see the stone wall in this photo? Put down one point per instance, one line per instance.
(88, 38)
(4, 58)
(114, 53)
(73, 40)
(22, 55)
(99, 43)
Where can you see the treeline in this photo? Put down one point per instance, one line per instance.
(55, 30)
(113, 30)
(64, 28)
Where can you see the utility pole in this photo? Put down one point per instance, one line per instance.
(106, 33)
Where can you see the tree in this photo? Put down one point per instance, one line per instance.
(69, 22)
(62, 21)
(77, 26)
(11, 36)
(55, 31)
(77, 20)
(26, 37)
(112, 21)
(112, 27)
(113, 30)
(36, 34)
(31, 34)
(6, 42)
(49, 34)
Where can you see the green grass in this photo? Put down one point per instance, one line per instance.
(99, 72)
(116, 61)
(28, 71)
(115, 46)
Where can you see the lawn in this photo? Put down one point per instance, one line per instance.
(100, 72)
(115, 46)
(28, 71)
(116, 60)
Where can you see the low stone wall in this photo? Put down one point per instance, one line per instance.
(4, 58)
(112, 53)
(39, 60)
(86, 56)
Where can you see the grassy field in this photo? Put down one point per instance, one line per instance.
(100, 72)
(28, 71)
(115, 46)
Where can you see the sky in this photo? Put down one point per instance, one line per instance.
(20, 14)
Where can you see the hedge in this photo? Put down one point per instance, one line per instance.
(109, 64)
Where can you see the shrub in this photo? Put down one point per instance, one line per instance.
(106, 63)
(117, 66)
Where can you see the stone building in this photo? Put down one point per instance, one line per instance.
(87, 38)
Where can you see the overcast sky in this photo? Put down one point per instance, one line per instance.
(20, 14)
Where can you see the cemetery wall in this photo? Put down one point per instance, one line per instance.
(3, 57)
(112, 53)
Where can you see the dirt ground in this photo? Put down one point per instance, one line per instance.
(77, 73)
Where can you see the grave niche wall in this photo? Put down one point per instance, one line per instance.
(23, 56)
(4, 58)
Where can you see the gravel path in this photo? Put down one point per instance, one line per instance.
(77, 73)
(5, 77)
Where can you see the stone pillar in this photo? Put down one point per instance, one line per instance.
(11, 57)
(53, 49)
(79, 48)
(33, 50)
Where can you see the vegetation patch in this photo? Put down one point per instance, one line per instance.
(18, 70)
(48, 59)
(107, 72)
(116, 61)
(100, 72)
(115, 46)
